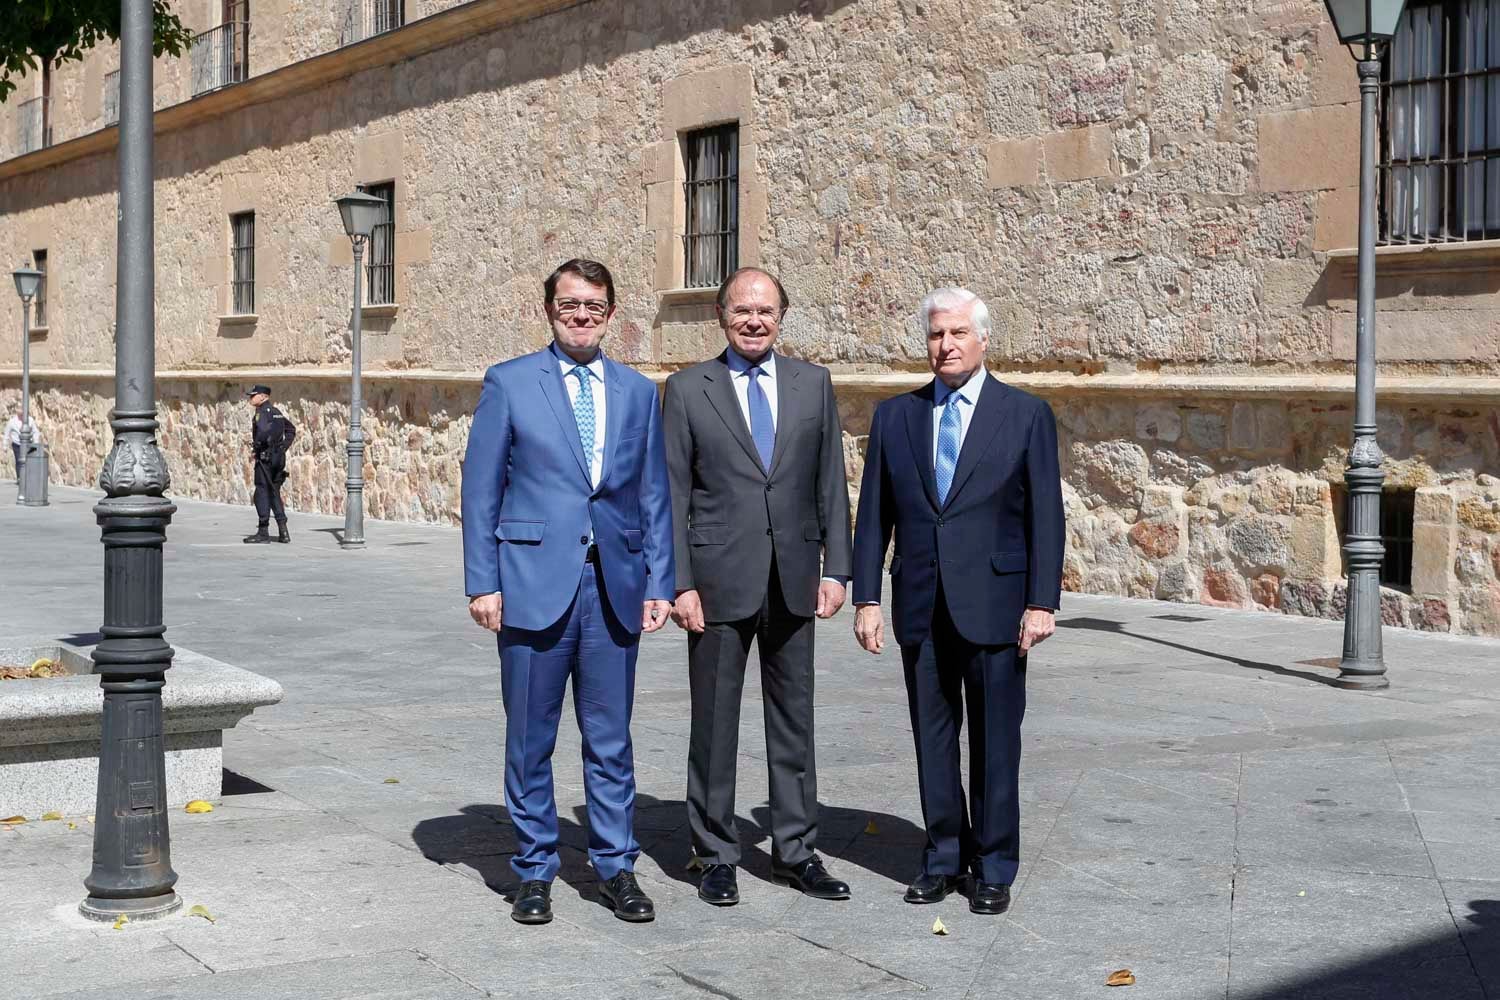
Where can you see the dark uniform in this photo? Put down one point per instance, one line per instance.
(272, 433)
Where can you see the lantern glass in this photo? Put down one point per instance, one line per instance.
(28, 280)
(1359, 22)
(361, 214)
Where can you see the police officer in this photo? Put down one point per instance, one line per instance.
(271, 434)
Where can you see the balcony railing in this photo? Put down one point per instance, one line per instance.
(220, 57)
(112, 98)
(368, 18)
(34, 125)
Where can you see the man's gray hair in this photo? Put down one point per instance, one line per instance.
(953, 300)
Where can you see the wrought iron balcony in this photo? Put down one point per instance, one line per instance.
(368, 18)
(220, 57)
(112, 98)
(34, 125)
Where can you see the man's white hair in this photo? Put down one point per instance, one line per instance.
(954, 300)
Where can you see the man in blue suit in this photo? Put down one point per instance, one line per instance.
(568, 556)
(964, 472)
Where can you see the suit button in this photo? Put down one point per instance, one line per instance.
(768, 487)
(583, 539)
(940, 522)
(768, 531)
(933, 563)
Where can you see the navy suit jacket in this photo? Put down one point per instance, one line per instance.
(996, 545)
(528, 506)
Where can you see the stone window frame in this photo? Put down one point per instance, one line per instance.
(241, 268)
(689, 103)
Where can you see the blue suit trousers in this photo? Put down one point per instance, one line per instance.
(590, 646)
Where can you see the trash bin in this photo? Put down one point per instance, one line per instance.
(33, 490)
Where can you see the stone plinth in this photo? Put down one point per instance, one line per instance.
(50, 728)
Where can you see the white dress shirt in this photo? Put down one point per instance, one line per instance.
(13, 431)
(968, 394)
(595, 369)
(739, 376)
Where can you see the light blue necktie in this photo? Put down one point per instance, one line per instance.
(761, 427)
(947, 449)
(583, 412)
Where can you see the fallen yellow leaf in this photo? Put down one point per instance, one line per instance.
(871, 828)
(695, 864)
(72, 826)
(49, 816)
(1120, 977)
(13, 819)
(200, 911)
(938, 928)
(121, 921)
(391, 781)
(1302, 892)
(198, 806)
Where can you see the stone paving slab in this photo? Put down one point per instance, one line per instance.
(1199, 805)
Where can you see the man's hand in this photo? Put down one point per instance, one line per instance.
(688, 611)
(654, 615)
(1036, 625)
(485, 610)
(869, 628)
(830, 598)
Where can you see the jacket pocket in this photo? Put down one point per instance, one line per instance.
(1008, 562)
(812, 531)
(520, 531)
(708, 534)
(632, 540)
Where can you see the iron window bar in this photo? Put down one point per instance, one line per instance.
(1440, 125)
(380, 270)
(220, 57)
(368, 18)
(242, 254)
(34, 124)
(39, 304)
(112, 98)
(710, 240)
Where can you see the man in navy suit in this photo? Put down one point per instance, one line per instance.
(568, 556)
(964, 472)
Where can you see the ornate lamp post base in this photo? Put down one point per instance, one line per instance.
(107, 911)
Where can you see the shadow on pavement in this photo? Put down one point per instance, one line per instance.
(1118, 628)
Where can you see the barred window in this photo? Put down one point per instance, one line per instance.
(711, 239)
(242, 257)
(1440, 124)
(39, 304)
(1398, 509)
(380, 271)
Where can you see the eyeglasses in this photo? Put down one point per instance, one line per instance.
(594, 307)
(765, 313)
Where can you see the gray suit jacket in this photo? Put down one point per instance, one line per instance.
(729, 515)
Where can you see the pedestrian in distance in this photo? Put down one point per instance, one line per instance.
(761, 526)
(964, 473)
(271, 434)
(13, 436)
(567, 527)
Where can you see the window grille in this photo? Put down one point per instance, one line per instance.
(711, 238)
(380, 268)
(39, 304)
(242, 256)
(1398, 508)
(368, 18)
(1440, 124)
(221, 56)
(112, 98)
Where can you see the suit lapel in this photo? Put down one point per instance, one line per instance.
(721, 396)
(919, 430)
(982, 430)
(787, 400)
(614, 415)
(557, 398)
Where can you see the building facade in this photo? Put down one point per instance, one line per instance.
(1156, 198)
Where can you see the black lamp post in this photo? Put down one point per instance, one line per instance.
(1366, 26)
(361, 213)
(28, 280)
(132, 874)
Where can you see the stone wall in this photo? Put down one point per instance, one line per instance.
(1225, 502)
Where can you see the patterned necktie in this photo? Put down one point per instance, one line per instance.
(761, 427)
(583, 412)
(947, 448)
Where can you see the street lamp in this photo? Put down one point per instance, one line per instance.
(361, 214)
(1368, 24)
(28, 280)
(132, 874)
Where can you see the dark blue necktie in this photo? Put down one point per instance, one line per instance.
(761, 427)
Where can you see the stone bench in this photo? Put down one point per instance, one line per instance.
(50, 727)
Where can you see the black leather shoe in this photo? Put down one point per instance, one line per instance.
(989, 897)
(282, 535)
(533, 903)
(812, 879)
(927, 888)
(719, 886)
(259, 538)
(624, 895)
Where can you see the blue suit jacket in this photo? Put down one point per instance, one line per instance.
(996, 545)
(528, 506)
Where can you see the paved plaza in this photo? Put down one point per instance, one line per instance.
(1199, 806)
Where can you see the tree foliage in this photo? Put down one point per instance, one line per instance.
(57, 31)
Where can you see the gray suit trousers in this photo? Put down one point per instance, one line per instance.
(716, 671)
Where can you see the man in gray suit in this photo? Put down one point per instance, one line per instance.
(760, 513)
